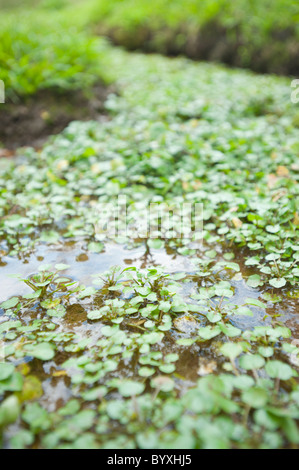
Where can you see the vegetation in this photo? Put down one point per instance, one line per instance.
(156, 357)
(44, 51)
(261, 35)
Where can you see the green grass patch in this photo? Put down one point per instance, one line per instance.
(262, 35)
(44, 51)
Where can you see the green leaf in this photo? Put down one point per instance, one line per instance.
(9, 411)
(87, 292)
(255, 302)
(254, 281)
(6, 370)
(231, 350)
(156, 244)
(185, 341)
(167, 368)
(279, 370)
(96, 314)
(164, 306)
(9, 303)
(209, 332)
(61, 266)
(277, 283)
(146, 371)
(251, 361)
(49, 236)
(266, 351)
(95, 247)
(255, 397)
(57, 312)
(129, 388)
(214, 317)
(244, 311)
(229, 330)
(43, 351)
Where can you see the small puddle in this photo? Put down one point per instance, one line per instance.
(83, 265)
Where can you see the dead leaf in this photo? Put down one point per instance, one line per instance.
(59, 373)
(208, 368)
(185, 324)
(296, 219)
(279, 195)
(282, 171)
(237, 222)
(272, 179)
(62, 165)
(196, 184)
(45, 115)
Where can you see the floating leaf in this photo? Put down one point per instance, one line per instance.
(255, 302)
(254, 281)
(9, 303)
(95, 247)
(278, 283)
(156, 244)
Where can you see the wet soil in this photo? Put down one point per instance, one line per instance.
(31, 120)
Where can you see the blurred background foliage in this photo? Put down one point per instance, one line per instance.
(56, 43)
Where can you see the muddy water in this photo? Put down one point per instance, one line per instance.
(83, 265)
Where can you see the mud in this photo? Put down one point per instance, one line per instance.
(30, 121)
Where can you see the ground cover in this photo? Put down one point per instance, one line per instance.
(199, 353)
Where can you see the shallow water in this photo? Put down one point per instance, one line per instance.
(194, 361)
(84, 264)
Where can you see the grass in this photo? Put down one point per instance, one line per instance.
(261, 35)
(44, 51)
(42, 48)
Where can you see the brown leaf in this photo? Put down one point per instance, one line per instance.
(282, 171)
(296, 219)
(208, 368)
(237, 222)
(5, 153)
(59, 373)
(196, 184)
